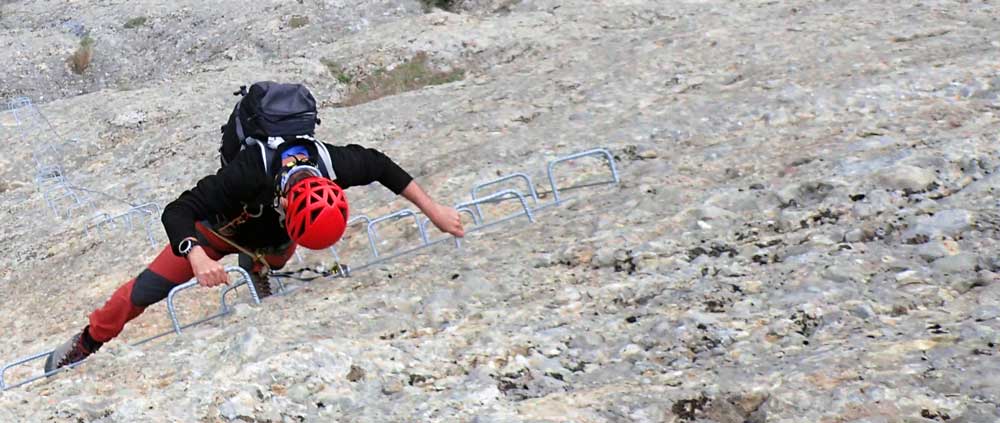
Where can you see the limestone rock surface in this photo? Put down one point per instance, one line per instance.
(805, 231)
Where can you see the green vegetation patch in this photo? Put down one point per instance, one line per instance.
(135, 22)
(298, 21)
(337, 71)
(410, 75)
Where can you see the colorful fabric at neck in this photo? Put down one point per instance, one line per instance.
(293, 151)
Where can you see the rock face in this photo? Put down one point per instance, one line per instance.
(805, 229)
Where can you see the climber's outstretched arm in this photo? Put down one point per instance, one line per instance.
(445, 218)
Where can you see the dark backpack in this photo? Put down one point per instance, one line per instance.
(267, 112)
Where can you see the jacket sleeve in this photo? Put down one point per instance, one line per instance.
(357, 165)
(215, 196)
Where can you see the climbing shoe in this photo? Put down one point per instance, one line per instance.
(79, 347)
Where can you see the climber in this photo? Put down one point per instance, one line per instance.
(267, 200)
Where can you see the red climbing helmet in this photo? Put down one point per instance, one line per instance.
(316, 213)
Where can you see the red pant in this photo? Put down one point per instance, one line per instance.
(154, 283)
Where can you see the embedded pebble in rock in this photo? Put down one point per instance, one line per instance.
(800, 234)
(130, 119)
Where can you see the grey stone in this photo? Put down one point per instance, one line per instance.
(606, 256)
(911, 277)
(857, 235)
(793, 220)
(875, 202)
(299, 393)
(247, 346)
(986, 312)
(959, 263)
(393, 385)
(944, 223)
(805, 193)
(707, 217)
(906, 178)
(357, 373)
(936, 249)
(843, 274)
(238, 406)
(129, 119)
(863, 311)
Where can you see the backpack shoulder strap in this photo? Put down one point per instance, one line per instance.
(239, 125)
(268, 150)
(324, 155)
(266, 154)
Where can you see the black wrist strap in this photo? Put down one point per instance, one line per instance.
(186, 245)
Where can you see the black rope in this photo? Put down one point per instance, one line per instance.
(319, 273)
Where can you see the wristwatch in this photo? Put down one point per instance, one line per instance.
(186, 245)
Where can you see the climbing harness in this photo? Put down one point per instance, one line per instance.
(235, 222)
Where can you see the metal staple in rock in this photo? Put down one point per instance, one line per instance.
(148, 213)
(465, 207)
(518, 175)
(244, 280)
(61, 196)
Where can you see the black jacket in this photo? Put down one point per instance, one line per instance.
(221, 197)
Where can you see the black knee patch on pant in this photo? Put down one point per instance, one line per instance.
(246, 262)
(150, 288)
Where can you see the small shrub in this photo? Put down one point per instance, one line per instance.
(448, 5)
(79, 61)
(135, 22)
(410, 75)
(298, 21)
(337, 71)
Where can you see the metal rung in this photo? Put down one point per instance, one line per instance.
(65, 212)
(50, 173)
(19, 102)
(594, 152)
(149, 211)
(245, 279)
(371, 240)
(102, 219)
(28, 359)
(393, 216)
(18, 362)
(517, 175)
(498, 196)
(458, 241)
(385, 258)
(464, 207)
